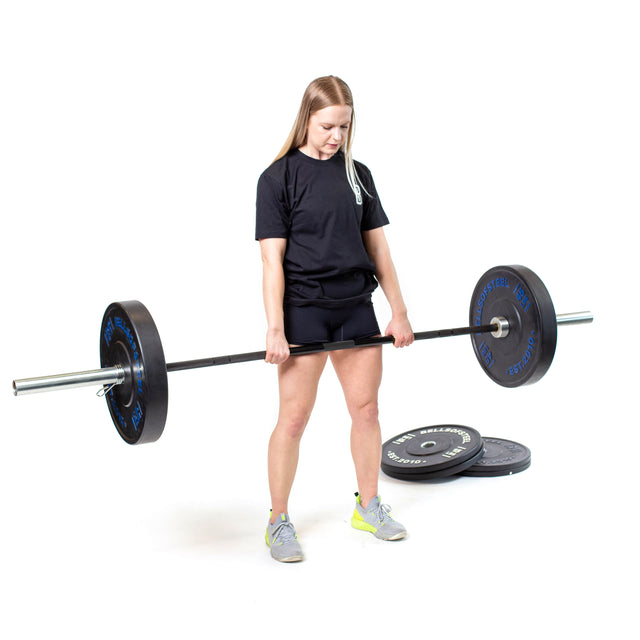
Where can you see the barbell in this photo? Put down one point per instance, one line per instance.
(512, 324)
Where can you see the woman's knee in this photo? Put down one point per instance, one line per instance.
(366, 414)
(292, 425)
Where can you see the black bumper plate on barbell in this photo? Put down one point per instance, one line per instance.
(436, 451)
(501, 458)
(138, 406)
(517, 294)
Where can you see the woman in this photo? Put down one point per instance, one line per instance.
(319, 222)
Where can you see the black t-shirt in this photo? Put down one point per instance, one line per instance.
(311, 204)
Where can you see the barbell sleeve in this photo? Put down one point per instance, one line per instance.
(578, 317)
(104, 376)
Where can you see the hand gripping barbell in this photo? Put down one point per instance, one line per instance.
(512, 324)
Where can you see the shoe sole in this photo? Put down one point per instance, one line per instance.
(289, 559)
(364, 526)
(296, 558)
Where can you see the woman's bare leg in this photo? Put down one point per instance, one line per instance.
(360, 374)
(298, 385)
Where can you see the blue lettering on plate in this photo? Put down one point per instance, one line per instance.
(486, 354)
(522, 297)
(519, 366)
(108, 331)
(136, 416)
(492, 285)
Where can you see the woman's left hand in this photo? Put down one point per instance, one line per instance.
(400, 329)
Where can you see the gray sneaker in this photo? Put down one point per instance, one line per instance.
(283, 541)
(376, 519)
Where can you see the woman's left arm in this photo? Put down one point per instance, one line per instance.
(375, 243)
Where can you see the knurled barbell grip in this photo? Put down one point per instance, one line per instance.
(260, 355)
(322, 346)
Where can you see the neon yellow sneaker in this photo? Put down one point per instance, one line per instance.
(376, 519)
(282, 540)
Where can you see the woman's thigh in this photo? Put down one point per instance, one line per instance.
(360, 374)
(298, 379)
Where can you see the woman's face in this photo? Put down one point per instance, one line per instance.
(327, 131)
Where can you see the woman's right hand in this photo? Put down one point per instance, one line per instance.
(277, 347)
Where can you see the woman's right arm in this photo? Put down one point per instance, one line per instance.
(272, 250)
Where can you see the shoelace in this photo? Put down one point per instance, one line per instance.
(382, 512)
(284, 530)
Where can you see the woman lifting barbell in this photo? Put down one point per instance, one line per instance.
(320, 225)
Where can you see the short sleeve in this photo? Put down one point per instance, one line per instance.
(272, 214)
(373, 215)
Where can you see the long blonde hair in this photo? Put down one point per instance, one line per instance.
(323, 92)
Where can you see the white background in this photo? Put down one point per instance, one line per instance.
(133, 134)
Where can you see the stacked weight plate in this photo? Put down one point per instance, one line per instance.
(441, 451)
(501, 458)
(431, 452)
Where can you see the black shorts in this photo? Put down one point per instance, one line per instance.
(310, 324)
